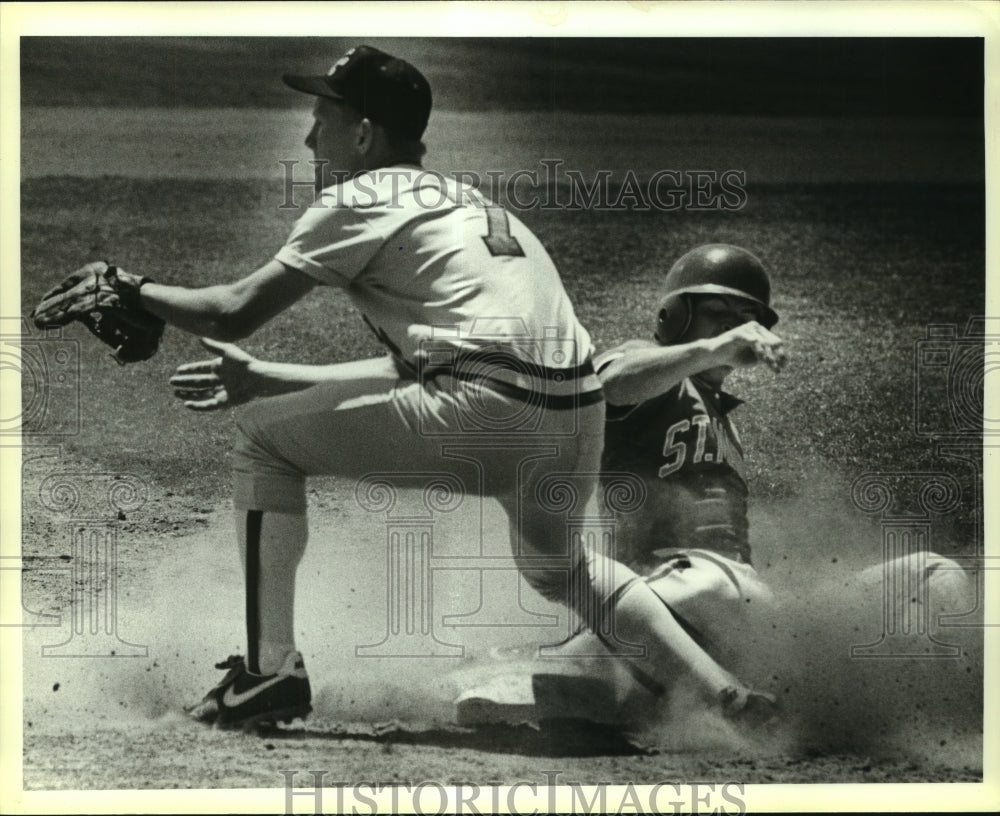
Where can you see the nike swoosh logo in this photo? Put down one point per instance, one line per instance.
(232, 700)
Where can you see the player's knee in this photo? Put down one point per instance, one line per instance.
(929, 577)
(949, 587)
(571, 582)
(681, 579)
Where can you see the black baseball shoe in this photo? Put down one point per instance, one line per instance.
(757, 709)
(243, 699)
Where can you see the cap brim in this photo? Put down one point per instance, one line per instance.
(770, 316)
(315, 85)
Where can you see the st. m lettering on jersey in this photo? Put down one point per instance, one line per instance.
(704, 439)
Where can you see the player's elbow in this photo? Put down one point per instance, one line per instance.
(233, 316)
(227, 324)
(615, 393)
(243, 306)
(229, 327)
(618, 387)
(226, 332)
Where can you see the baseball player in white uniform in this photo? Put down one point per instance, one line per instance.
(476, 323)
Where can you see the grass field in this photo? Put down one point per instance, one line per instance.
(873, 228)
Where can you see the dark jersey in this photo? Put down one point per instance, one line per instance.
(685, 448)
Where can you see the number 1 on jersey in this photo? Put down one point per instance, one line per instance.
(498, 239)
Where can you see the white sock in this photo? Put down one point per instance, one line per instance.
(272, 655)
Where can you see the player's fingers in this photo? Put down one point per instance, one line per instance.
(220, 399)
(767, 337)
(769, 347)
(781, 357)
(766, 354)
(206, 379)
(199, 366)
(203, 405)
(778, 359)
(776, 348)
(193, 393)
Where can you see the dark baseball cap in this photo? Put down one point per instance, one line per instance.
(387, 90)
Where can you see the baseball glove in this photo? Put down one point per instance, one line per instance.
(106, 300)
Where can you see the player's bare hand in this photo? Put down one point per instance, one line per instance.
(222, 382)
(750, 344)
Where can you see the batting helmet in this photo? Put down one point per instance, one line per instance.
(712, 269)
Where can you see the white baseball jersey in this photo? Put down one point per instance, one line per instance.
(433, 265)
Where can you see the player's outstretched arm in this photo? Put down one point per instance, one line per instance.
(228, 311)
(235, 377)
(644, 372)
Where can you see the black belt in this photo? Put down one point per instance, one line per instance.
(509, 362)
(554, 402)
